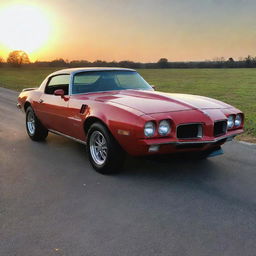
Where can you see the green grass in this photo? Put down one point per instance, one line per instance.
(234, 86)
(20, 78)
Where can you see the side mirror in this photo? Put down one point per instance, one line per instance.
(59, 92)
(154, 87)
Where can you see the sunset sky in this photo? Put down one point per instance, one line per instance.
(138, 30)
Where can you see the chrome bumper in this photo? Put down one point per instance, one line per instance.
(226, 138)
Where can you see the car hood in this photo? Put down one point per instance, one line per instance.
(156, 102)
(150, 102)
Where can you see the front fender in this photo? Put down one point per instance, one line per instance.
(124, 125)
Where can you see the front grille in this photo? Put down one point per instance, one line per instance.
(220, 128)
(189, 131)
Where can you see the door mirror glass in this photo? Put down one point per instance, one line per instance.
(59, 92)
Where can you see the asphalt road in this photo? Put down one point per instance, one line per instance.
(53, 203)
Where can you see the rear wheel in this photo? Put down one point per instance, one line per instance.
(105, 154)
(36, 131)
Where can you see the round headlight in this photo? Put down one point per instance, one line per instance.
(238, 120)
(231, 122)
(149, 129)
(164, 127)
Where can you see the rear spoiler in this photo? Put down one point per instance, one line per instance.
(28, 89)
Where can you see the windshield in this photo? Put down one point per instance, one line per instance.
(96, 81)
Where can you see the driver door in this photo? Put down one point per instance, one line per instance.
(52, 109)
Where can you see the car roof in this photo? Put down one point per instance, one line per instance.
(77, 70)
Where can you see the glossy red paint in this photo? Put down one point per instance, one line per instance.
(125, 113)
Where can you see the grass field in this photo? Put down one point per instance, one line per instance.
(234, 86)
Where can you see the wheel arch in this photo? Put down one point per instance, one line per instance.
(26, 105)
(91, 120)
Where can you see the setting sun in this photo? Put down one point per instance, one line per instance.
(26, 27)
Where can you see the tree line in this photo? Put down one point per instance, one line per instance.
(20, 58)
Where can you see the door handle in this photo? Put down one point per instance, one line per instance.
(41, 101)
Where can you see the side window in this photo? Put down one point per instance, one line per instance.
(58, 82)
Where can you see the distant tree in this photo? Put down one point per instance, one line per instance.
(113, 63)
(248, 60)
(1, 61)
(58, 63)
(99, 63)
(128, 64)
(17, 58)
(79, 63)
(220, 62)
(163, 63)
(219, 59)
(230, 63)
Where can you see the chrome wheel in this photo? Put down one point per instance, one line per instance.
(31, 122)
(98, 148)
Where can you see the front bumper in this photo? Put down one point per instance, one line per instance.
(172, 145)
(214, 141)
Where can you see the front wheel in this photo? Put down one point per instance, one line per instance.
(36, 131)
(105, 154)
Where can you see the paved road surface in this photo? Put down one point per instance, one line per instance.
(53, 203)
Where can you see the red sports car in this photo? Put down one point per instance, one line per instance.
(114, 110)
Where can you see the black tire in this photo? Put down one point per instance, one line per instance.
(36, 131)
(111, 157)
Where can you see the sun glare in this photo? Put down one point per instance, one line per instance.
(24, 27)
